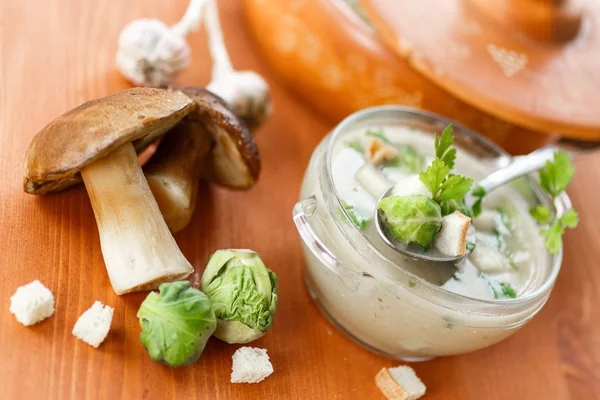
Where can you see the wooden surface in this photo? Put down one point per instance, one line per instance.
(55, 55)
(496, 63)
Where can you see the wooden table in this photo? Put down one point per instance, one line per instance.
(58, 53)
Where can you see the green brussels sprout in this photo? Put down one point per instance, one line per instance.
(243, 292)
(176, 323)
(412, 219)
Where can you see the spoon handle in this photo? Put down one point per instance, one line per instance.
(521, 166)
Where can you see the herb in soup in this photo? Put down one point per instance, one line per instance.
(478, 193)
(360, 221)
(499, 289)
(408, 159)
(355, 144)
(378, 133)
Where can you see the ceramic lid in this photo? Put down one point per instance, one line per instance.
(530, 62)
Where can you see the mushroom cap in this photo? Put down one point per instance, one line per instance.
(234, 161)
(94, 129)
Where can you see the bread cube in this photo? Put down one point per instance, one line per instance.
(452, 239)
(400, 383)
(32, 303)
(93, 325)
(250, 365)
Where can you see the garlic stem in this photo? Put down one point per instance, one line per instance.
(191, 19)
(221, 62)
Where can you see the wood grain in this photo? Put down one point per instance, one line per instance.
(55, 55)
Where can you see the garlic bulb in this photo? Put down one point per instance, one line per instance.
(246, 92)
(150, 53)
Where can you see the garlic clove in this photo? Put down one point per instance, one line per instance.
(247, 93)
(150, 53)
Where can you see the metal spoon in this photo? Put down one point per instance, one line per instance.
(519, 167)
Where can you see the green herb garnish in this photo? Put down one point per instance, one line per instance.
(470, 246)
(437, 177)
(378, 133)
(478, 193)
(554, 179)
(499, 289)
(408, 158)
(507, 290)
(412, 283)
(358, 220)
(355, 145)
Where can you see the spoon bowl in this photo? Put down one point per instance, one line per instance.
(411, 250)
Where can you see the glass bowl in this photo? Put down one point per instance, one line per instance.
(380, 305)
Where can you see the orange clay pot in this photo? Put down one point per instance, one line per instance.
(338, 63)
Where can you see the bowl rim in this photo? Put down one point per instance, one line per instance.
(562, 202)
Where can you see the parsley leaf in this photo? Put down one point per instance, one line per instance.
(507, 290)
(455, 188)
(434, 175)
(570, 219)
(471, 246)
(542, 214)
(355, 145)
(478, 193)
(378, 133)
(443, 147)
(553, 235)
(555, 176)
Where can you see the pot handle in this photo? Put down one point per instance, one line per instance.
(302, 210)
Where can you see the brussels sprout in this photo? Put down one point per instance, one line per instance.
(412, 219)
(243, 292)
(176, 323)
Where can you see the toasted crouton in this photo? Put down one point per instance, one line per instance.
(400, 383)
(452, 239)
(378, 151)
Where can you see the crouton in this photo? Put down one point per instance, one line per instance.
(400, 383)
(378, 152)
(250, 365)
(452, 238)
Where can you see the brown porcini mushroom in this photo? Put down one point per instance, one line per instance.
(97, 142)
(210, 143)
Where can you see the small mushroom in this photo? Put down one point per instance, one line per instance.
(210, 143)
(97, 141)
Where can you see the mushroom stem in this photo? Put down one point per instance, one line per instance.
(174, 171)
(138, 249)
